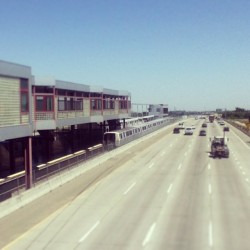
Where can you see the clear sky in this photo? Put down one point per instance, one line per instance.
(190, 54)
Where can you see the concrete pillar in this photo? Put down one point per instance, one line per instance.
(73, 138)
(12, 156)
(28, 162)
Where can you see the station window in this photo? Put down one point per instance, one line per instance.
(123, 104)
(44, 89)
(61, 103)
(69, 103)
(44, 103)
(79, 104)
(96, 104)
(62, 92)
(24, 94)
(108, 104)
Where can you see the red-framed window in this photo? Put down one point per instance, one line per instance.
(44, 103)
(96, 104)
(24, 95)
(108, 104)
(70, 103)
(123, 104)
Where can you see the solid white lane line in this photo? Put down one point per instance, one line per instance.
(130, 187)
(209, 188)
(180, 166)
(170, 187)
(210, 230)
(149, 234)
(89, 232)
(241, 140)
(151, 165)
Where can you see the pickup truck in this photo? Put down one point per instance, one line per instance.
(219, 147)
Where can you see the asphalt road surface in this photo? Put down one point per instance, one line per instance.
(165, 192)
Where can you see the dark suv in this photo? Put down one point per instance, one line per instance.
(176, 131)
(203, 132)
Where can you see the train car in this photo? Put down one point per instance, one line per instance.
(117, 138)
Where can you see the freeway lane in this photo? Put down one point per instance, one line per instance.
(169, 195)
(232, 196)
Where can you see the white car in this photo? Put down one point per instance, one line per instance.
(188, 131)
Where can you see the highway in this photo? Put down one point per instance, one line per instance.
(164, 192)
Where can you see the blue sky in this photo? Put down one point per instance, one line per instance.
(190, 54)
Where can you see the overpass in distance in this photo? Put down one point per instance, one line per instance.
(163, 191)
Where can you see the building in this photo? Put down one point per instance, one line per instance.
(15, 100)
(15, 119)
(158, 110)
(31, 106)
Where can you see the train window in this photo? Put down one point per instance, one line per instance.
(128, 133)
(109, 138)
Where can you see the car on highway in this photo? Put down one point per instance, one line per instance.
(226, 129)
(203, 132)
(204, 125)
(176, 130)
(188, 131)
(222, 123)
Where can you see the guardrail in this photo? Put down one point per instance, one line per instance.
(44, 171)
(13, 184)
(245, 130)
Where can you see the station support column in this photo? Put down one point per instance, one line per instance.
(28, 162)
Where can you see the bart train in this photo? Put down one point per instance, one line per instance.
(117, 138)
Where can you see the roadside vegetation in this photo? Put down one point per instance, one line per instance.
(238, 113)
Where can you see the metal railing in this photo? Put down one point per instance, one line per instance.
(14, 184)
(245, 130)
